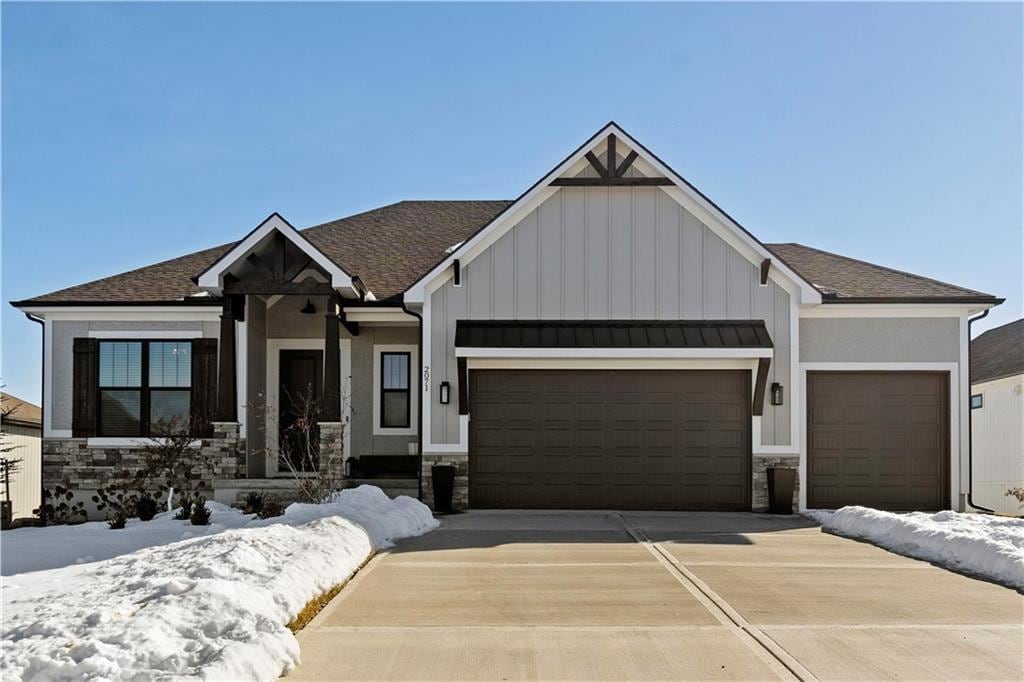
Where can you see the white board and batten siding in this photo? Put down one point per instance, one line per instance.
(998, 438)
(608, 253)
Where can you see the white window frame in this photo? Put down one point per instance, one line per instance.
(414, 399)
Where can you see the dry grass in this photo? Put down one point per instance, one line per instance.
(317, 604)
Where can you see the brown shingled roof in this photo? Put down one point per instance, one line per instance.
(390, 247)
(843, 279)
(998, 353)
(18, 411)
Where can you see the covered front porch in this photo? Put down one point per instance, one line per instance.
(317, 376)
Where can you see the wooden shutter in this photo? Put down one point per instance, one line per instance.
(85, 387)
(204, 384)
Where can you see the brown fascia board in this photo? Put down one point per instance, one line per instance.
(992, 300)
(200, 301)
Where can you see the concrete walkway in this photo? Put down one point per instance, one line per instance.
(657, 596)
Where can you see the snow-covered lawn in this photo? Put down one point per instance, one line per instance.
(988, 546)
(212, 607)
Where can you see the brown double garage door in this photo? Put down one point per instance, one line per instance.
(602, 439)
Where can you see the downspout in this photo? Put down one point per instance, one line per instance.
(422, 398)
(970, 421)
(42, 412)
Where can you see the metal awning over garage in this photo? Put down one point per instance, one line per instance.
(614, 334)
(601, 339)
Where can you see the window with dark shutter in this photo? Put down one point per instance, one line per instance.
(394, 387)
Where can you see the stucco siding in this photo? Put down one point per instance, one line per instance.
(607, 253)
(364, 442)
(62, 359)
(887, 339)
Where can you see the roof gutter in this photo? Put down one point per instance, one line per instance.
(420, 402)
(42, 409)
(970, 421)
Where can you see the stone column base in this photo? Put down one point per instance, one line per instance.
(460, 494)
(759, 469)
(332, 448)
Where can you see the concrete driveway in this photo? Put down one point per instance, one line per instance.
(657, 596)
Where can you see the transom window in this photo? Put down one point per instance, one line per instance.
(394, 390)
(145, 387)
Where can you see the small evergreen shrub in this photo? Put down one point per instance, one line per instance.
(271, 508)
(263, 505)
(200, 513)
(117, 520)
(146, 508)
(253, 502)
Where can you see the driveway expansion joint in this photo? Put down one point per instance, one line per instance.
(760, 642)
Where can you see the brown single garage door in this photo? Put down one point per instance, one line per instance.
(628, 439)
(878, 439)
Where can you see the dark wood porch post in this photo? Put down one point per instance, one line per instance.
(227, 386)
(332, 368)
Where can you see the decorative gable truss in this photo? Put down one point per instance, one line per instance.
(611, 157)
(275, 259)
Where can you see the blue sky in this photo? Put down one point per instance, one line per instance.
(133, 133)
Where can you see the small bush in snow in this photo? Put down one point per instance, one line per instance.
(117, 520)
(262, 504)
(1018, 493)
(146, 508)
(59, 506)
(200, 513)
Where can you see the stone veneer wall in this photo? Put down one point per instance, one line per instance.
(71, 461)
(460, 494)
(760, 468)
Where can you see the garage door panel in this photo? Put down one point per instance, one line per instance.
(616, 439)
(878, 439)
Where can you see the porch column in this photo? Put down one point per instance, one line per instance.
(227, 385)
(332, 365)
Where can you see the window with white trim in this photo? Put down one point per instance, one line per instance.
(145, 387)
(395, 393)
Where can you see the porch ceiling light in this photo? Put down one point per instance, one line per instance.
(309, 308)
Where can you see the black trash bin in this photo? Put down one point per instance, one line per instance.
(443, 477)
(781, 483)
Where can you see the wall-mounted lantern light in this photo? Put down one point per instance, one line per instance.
(777, 394)
(446, 392)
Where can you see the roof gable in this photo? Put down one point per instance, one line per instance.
(212, 278)
(608, 141)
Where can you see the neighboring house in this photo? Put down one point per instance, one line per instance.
(997, 416)
(610, 339)
(22, 428)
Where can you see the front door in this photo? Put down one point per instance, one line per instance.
(301, 389)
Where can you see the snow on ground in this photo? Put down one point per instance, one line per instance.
(35, 549)
(209, 607)
(987, 546)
